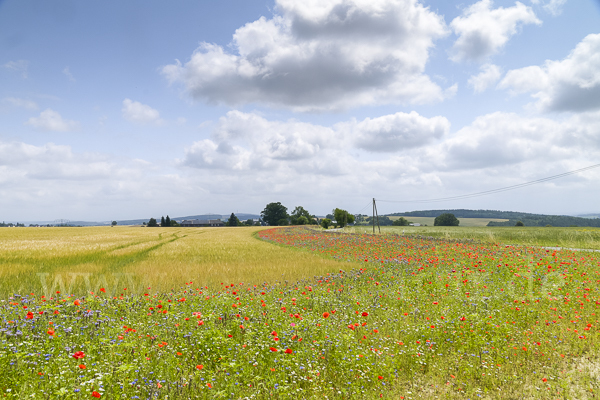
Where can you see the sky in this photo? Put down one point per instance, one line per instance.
(119, 110)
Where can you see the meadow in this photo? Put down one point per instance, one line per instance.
(574, 238)
(297, 313)
(464, 222)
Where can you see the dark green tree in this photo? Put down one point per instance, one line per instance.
(274, 213)
(233, 220)
(249, 222)
(519, 223)
(174, 223)
(383, 221)
(401, 222)
(325, 223)
(113, 223)
(342, 217)
(152, 222)
(167, 221)
(301, 212)
(446, 219)
(302, 220)
(162, 221)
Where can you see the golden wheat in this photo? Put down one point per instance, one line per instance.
(88, 259)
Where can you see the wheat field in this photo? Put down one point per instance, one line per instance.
(88, 259)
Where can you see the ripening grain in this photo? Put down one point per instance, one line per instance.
(80, 260)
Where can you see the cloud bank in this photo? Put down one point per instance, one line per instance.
(321, 56)
(572, 84)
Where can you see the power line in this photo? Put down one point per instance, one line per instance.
(367, 205)
(488, 192)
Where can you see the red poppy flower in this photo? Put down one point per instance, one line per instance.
(96, 394)
(289, 351)
(78, 354)
(199, 366)
(365, 314)
(82, 366)
(50, 332)
(325, 314)
(272, 349)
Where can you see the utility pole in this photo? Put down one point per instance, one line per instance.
(375, 214)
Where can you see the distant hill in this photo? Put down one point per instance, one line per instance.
(528, 219)
(462, 213)
(241, 217)
(588, 215)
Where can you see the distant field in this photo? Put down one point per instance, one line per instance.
(463, 221)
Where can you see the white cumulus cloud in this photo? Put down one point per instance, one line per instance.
(483, 31)
(137, 112)
(249, 143)
(572, 84)
(400, 131)
(321, 55)
(489, 75)
(504, 139)
(50, 120)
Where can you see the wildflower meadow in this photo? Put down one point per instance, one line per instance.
(400, 317)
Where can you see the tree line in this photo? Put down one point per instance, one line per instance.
(276, 214)
(164, 222)
(235, 221)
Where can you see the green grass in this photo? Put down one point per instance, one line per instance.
(580, 238)
(468, 222)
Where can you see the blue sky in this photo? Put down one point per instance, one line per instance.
(114, 110)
